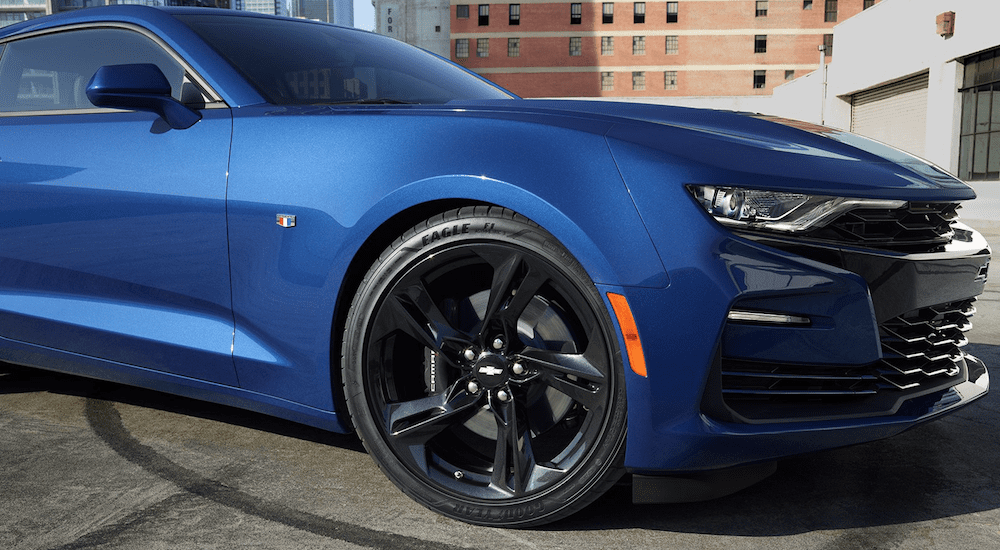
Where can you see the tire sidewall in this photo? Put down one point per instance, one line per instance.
(464, 227)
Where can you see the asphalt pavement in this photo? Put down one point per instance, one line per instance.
(87, 464)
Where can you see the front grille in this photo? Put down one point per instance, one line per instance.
(921, 352)
(914, 228)
(924, 344)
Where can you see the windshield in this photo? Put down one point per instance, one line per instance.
(304, 63)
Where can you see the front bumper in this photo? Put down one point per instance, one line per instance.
(721, 394)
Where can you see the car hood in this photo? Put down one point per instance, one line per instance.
(749, 149)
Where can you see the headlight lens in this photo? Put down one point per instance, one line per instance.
(777, 210)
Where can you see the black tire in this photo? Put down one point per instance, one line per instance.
(482, 371)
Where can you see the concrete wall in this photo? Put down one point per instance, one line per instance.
(421, 23)
(898, 38)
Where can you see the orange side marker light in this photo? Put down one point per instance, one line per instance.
(633, 346)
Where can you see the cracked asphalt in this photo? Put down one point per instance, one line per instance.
(87, 464)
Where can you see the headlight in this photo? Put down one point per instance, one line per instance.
(777, 210)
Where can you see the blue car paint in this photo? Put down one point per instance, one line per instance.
(124, 258)
(299, 271)
(606, 179)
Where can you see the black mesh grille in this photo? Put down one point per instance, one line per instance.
(915, 228)
(921, 351)
(748, 380)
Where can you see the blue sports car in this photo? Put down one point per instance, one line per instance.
(512, 302)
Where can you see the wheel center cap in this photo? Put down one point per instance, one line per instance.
(491, 370)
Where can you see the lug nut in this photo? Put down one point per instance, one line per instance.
(502, 395)
(498, 343)
(469, 354)
(473, 387)
(518, 368)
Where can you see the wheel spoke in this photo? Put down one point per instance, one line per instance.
(514, 460)
(415, 312)
(575, 364)
(505, 267)
(417, 421)
(588, 395)
(515, 282)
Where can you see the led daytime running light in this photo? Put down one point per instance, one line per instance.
(745, 316)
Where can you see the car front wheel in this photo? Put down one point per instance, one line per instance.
(483, 373)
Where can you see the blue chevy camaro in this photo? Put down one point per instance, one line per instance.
(512, 302)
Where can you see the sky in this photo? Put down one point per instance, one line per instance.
(364, 14)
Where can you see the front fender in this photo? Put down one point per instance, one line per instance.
(345, 174)
(611, 244)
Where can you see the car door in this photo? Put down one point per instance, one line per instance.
(113, 237)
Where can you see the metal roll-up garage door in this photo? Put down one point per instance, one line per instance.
(895, 114)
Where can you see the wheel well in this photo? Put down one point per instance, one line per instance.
(379, 240)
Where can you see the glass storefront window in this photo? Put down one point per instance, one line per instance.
(979, 144)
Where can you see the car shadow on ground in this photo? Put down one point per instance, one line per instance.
(943, 469)
(16, 379)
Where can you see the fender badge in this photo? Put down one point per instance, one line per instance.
(286, 220)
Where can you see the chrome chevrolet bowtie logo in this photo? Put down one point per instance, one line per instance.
(490, 370)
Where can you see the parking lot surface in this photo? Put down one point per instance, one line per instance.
(87, 464)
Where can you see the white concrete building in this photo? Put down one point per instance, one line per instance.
(15, 11)
(421, 23)
(899, 78)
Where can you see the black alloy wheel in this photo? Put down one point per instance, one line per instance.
(483, 373)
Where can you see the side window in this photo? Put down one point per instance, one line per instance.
(51, 72)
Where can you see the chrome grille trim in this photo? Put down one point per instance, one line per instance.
(924, 344)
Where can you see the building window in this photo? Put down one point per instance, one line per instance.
(515, 14)
(807, 4)
(462, 11)
(638, 80)
(760, 43)
(868, 4)
(669, 80)
(639, 13)
(831, 11)
(482, 47)
(979, 141)
(575, 46)
(608, 12)
(789, 74)
(607, 82)
(672, 45)
(638, 45)
(607, 45)
(575, 14)
(462, 47)
(761, 8)
(671, 12)
(513, 47)
(437, 28)
(828, 43)
(759, 79)
(484, 15)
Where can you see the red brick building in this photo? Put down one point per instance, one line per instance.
(551, 48)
